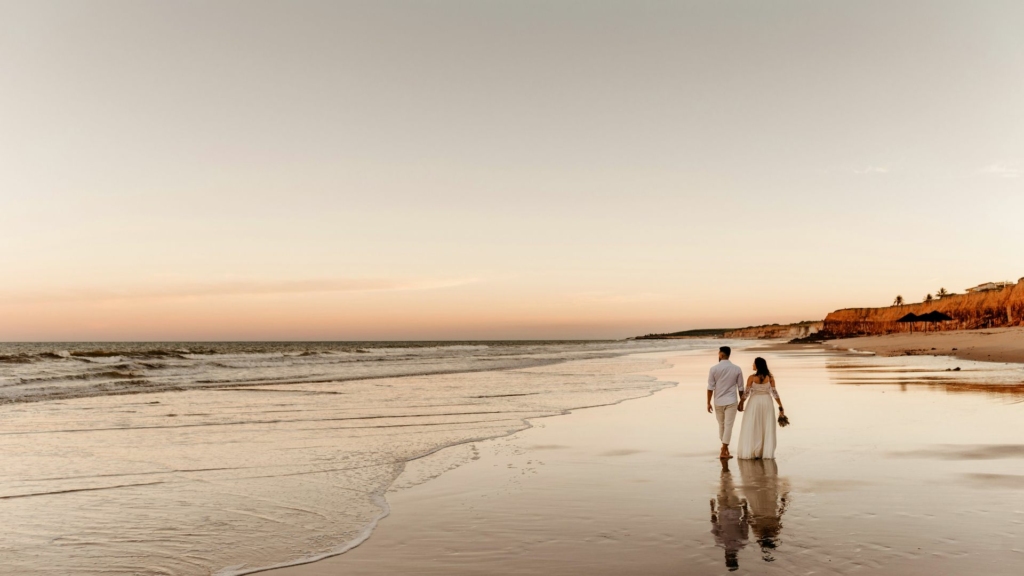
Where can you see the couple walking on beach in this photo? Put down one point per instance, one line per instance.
(727, 396)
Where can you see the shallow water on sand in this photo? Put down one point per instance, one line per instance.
(244, 456)
(891, 466)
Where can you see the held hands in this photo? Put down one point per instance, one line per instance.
(740, 407)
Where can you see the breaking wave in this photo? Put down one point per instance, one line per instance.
(31, 372)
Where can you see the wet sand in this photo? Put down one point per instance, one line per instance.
(991, 345)
(891, 466)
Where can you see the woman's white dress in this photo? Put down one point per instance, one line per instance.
(757, 433)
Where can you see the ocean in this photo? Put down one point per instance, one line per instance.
(226, 458)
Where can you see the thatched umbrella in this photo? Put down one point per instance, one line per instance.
(910, 319)
(933, 316)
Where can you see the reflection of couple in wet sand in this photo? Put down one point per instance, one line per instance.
(763, 499)
(759, 509)
(727, 394)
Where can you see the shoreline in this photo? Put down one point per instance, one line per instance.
(324, 563)
(395, 487)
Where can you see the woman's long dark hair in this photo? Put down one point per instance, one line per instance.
(762, 368)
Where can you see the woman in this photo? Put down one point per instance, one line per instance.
(757, 434)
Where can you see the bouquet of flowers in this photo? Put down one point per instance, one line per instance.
(783, 419)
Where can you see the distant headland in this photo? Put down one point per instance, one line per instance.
(767, 331)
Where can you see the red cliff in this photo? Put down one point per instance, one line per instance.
(991, 309)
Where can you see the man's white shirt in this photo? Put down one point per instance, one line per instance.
(726, 379)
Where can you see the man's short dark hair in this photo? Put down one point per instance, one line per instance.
(726, 350)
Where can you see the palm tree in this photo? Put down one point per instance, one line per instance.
(942, 293)
(898, 301)
(928, 298)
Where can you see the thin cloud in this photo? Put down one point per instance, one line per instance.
(234, 288)
(871, 170)
(999, 170)
(617, 298)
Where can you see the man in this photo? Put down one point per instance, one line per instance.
(725, 385)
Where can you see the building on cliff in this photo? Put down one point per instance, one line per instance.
(987, 286)
(990, 308)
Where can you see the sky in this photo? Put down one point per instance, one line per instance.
(253, 170)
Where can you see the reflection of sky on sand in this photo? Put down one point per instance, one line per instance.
(938, 372)
(876, 478)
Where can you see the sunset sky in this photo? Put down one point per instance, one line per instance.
(532, 169)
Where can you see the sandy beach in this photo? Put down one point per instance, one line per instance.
(870, 478)
(364, 288)
(992, 345)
